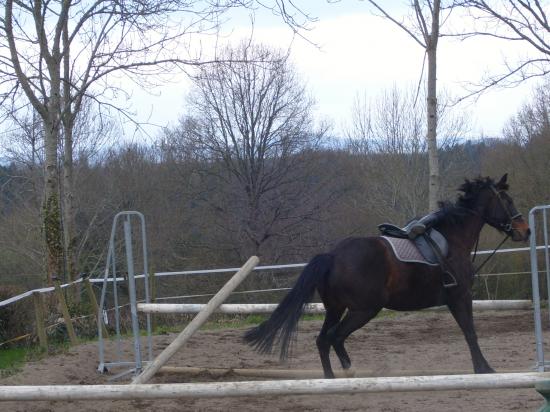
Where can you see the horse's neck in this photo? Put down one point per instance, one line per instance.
(464, 234)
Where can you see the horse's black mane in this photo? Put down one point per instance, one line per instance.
(456, 212)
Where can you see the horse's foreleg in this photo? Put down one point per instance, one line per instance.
(342, 354)
(461, 310)
(332, 317)
(338, 334)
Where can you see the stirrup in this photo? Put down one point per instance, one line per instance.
(452, 283)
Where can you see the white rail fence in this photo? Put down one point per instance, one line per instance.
(24, 295)
(221, 271)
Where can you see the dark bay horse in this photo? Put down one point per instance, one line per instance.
(361, 275)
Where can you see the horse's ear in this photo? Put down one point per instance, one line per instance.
(502, 182)
(466, 186)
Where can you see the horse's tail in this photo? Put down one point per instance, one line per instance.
(280, 328)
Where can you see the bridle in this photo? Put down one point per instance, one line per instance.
(511, 214)
(505, 227)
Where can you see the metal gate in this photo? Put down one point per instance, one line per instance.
(111, 276)
(538, 223)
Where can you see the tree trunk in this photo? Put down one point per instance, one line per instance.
(68, 206)
(69, 224)
(53, 227)
(433, 158)
(51, 213)
(69, 214)
(431, 137)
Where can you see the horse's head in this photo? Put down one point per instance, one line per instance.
(495, 206)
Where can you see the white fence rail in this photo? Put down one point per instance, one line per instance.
(312, 308)
(24, 295)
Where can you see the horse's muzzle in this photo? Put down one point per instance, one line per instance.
(520, 230)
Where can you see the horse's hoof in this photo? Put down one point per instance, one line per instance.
(485, 370)
(346, 363)
(349, 373)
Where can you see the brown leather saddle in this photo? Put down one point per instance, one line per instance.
(431, 245)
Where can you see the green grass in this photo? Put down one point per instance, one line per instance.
(11, 360)
(11, 357)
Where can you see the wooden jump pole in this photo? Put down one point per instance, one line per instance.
(308, 373)
(197, 322)
(153, 297)
(272, 388)
(262, 373)
(501, 305)
(232, 308)
(312, 308)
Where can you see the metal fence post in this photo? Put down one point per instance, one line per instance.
(132, 292)
(540, 365)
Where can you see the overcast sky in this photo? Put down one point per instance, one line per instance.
(359, 52)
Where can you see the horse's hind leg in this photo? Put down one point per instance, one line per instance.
(461, 308)
(332, 317)
(338, 334)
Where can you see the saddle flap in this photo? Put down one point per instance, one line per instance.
(419, 250)
(426, 249)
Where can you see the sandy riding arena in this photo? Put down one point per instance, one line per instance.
(407, 342)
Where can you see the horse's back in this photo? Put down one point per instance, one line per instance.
(365, 273)
(357, 254)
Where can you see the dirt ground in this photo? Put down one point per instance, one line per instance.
(409, 341)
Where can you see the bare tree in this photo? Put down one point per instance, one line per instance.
(53, 55)
(388, 131)
(83, 141)
(394, 162)
(533, 119)
(20, 187)
(526, 149)
(24, 140)
(253, 128)
(513, 21)
(425, 31)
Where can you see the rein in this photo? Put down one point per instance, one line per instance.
(476, 271)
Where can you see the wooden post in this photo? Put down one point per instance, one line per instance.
(95, 306)
(39, 316)
(65, 312)
(197, 322)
